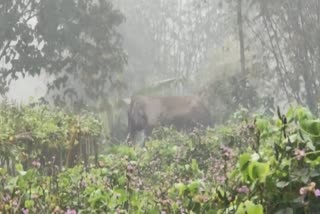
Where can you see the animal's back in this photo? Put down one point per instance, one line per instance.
(168, 110)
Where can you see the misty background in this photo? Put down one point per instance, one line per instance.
(92, 55)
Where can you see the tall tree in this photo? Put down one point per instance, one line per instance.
(241, 39)
(19, 51)
(76, 41)
(288, 32)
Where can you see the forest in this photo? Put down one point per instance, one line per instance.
(78, 78)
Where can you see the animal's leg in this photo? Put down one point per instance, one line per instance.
(131, 136)
(147, 133)
(129, 139)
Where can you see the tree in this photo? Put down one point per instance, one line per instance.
(233, 75)
(288, 32)
(283, 37)
(75, 41)
(19, 52)
(241, 39)
(172, 41)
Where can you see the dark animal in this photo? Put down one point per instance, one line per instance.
(181, 112)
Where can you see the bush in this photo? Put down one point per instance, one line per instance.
(251, 165)
(37, 132)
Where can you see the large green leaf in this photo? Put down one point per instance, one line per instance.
(312, 127)
(303, 114)
(244, 161)
(248, 207)
(181, 187)
(258, 171)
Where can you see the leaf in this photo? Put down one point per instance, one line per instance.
(311, 146)
(262, 125)
(19, 167)
(3, 171)
(181, 187)
(122, 180)
(312, 127)
(20, 170)
(248, 207)
(303, 114)
(282, 184)
(290, 114)
(29, 204)
(279, 123)
(194, 166)
(244, 161)
(221, 194)
(259, 171)
(293, 138)
(313, 163)
(121, 195)
(194, 187)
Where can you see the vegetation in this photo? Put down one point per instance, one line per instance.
(248, 55)
(253, 54)
(75, 42)
(253, 164)
(39, 133)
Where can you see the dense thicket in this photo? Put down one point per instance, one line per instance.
(251, 165)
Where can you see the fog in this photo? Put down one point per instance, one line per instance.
(235, 55)
(159, 106)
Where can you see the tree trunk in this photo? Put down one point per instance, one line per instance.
(241, 40)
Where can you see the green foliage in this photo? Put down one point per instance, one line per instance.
(253, 170)
(37, 132)
(75, 41)
(249, 208)
(272, 168)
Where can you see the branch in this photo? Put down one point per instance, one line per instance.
(4, 50)
(263, 43)
(278, 45)
(276, 58)
(283, 64)
(24, 136)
